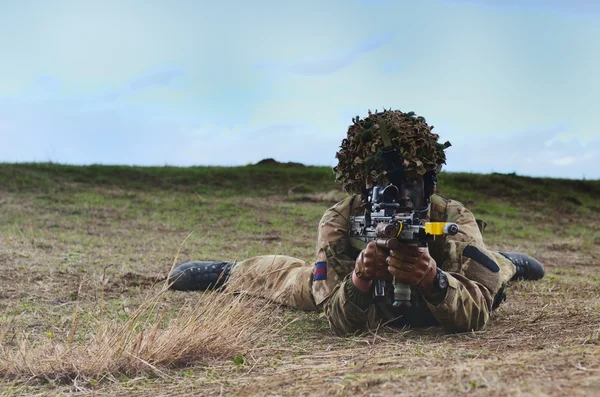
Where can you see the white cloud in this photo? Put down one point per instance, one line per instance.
(526, 153)
(589, 155)
(476, 73)
(564, 160)
(333, 64)
(159, 78)
(214, 145)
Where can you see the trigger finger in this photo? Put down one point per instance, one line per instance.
(368, 253)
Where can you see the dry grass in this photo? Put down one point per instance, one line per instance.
(215, 327)
(80, 312)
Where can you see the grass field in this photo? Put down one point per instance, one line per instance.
(84, 252)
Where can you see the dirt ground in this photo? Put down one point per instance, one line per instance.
(543, 341)
(62, 250)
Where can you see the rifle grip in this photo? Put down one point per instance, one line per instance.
(387, 243)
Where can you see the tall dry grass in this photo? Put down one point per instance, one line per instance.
(218, 325)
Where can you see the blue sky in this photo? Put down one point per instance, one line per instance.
(514, 85)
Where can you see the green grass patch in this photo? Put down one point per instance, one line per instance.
(94, 240)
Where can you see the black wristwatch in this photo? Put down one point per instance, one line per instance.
(440, 282)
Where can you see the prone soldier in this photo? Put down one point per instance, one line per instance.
(453, 281)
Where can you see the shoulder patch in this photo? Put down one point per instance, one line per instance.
(320, 272)
(474, 253)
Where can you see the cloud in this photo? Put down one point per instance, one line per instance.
(487, 69)
(331, 64)
(297, 142)
(156, 79)
(52, 132)
(391, 67)
(534, 152)
(576, 6)
(284, 142)
(45, 86)
(369, 3)
(160, 78)
(114, 136)
(372, 44)
(49, 88)
(564, 160)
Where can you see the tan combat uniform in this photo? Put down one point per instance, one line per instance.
(474, 274)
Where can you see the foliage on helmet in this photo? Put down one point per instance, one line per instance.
(359, 159)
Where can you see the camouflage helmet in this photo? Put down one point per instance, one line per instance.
(360, 163)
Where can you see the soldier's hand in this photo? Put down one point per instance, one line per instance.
(371, 263)
(412, 265)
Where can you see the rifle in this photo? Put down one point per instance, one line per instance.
(390, 229)
(389, 224)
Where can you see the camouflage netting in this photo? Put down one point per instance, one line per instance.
(359, 158)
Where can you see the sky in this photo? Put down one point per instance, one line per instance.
(514, 85)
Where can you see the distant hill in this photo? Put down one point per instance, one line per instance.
(272, 177)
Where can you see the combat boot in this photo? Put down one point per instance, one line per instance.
(528, 268)
(199, 276)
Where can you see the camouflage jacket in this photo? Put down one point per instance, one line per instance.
(473, 274)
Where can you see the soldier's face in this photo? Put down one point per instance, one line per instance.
(412, 194)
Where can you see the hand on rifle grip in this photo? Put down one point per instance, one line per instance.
(371, 262)
(412, 265)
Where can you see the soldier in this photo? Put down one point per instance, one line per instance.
(456, 282)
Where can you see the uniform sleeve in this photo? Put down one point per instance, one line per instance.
(473, 275)
(347, 308)
(350, 310)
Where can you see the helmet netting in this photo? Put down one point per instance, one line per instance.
(359, 158)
